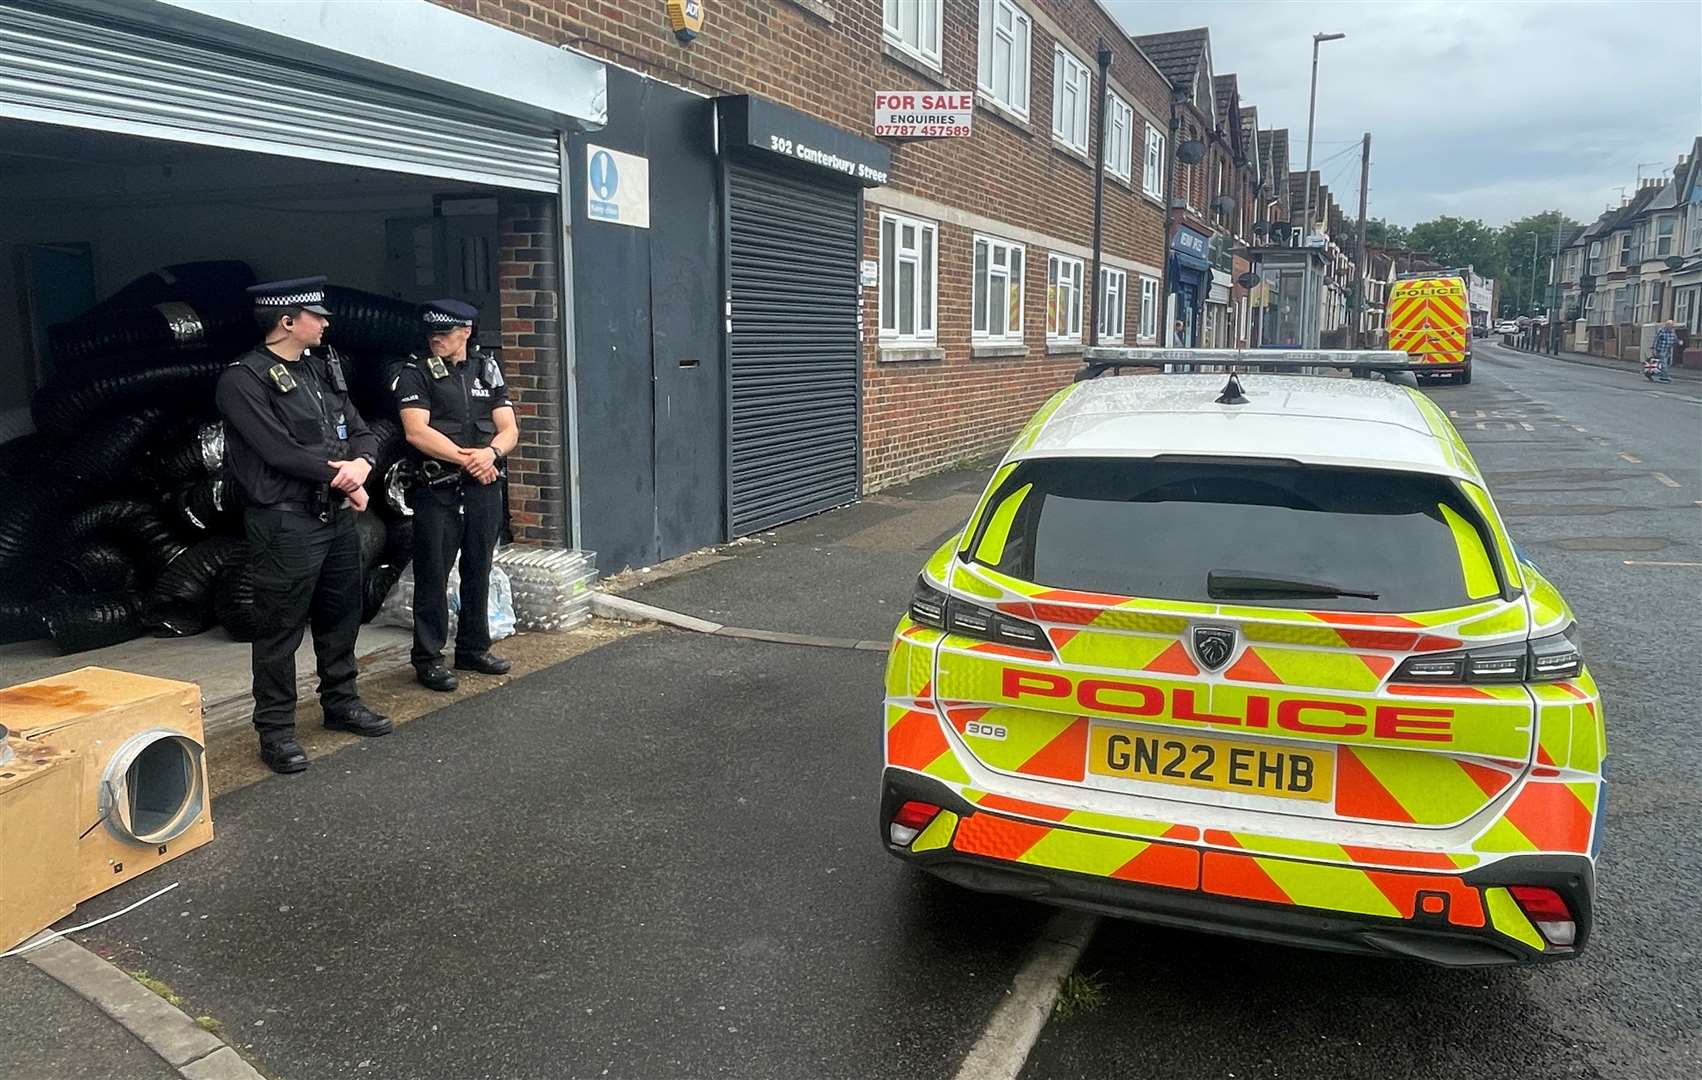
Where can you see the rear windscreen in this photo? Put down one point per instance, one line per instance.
(1158, 529)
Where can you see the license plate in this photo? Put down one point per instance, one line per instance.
(1217, 764)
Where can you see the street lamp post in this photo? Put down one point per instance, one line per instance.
(1311, 111)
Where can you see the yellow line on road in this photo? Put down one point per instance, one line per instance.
(1665, 479)
(1632, 458)
(1638, 562)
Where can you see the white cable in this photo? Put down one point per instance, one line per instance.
(57, 934)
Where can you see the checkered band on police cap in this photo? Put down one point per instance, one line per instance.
(440, 315)
(307, 292)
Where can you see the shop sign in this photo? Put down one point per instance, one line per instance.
(908, 114)
(617, 187)
(1190, 242)
(871, 273)
(758, 124)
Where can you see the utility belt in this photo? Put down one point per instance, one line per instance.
(320, 506)
(439, 475)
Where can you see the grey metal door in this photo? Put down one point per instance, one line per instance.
(793, 420)
(134, 80)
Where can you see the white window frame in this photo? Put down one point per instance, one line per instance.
(1062, 324)
(1119, 138)
(1669, 237)
(981, 295)
(1593, 261)
(1626, 243)
(1653, 298)
(928, 17)
(922, 253)
(1188, 176)
(1019, 44)
(1152, 166)
(1113, 304)
(1147, 328)
(1684, 302)
(1694, 213)
(1068, 73)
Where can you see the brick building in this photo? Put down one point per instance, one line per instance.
(721, 300)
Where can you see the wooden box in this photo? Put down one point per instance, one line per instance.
(38, 838)
(143, 797)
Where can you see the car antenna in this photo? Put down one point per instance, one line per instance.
(1232, 392)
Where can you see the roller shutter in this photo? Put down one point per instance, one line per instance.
(794, 356)
(92, 74)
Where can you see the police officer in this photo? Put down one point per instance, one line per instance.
(300, 453)
(458, 420)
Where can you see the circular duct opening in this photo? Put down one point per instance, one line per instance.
(152, 791)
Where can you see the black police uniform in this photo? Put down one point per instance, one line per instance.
(284, 420)
(453, 513)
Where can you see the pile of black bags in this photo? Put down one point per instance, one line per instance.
(117, 520)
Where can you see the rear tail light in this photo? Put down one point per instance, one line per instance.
(1547, 909)
(910, 820)
(1547, 659)
(932, 607)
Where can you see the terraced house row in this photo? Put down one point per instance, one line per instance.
(744, 261)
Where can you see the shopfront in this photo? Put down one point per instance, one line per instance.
(1190, 274)
(160, 155)
(793, 207)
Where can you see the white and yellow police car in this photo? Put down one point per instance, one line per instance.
(1256, 658)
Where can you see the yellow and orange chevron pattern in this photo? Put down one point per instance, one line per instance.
(1428, 319)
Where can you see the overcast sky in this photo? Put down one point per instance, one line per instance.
(1490, 109)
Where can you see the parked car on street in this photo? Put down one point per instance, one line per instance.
(1506, 326)
(1258, 659)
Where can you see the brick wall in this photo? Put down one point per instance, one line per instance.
(531, 361)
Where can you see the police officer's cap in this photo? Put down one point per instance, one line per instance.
(440, 316)
(306, 293)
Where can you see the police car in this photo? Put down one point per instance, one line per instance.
(1253, 655)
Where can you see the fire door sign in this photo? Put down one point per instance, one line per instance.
(909, 114)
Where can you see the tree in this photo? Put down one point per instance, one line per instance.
(1460, 242)
(1518, 239)
(1380, 233)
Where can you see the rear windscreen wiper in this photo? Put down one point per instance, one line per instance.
(1247, 585)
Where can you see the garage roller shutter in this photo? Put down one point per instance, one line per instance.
(83, 74)
(794, 356)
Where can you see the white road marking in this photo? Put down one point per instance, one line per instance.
(1667, 480)
(1632, 458)
(1526, 426)
(1580, 430)
(1638, 562)
(1015, 1026)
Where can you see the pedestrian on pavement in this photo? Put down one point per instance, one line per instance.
(460, 423)
(1666, 338)
(300, 453)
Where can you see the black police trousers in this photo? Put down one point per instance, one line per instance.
(307, 573)
(459, 520)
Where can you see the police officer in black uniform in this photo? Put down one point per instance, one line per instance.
(300, 453)
(460, 423)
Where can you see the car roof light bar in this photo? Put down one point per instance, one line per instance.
(1099, 359)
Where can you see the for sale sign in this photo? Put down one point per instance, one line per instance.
(910, 114)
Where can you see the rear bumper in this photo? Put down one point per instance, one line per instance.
(1473, 927)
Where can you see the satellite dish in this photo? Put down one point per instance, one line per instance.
(1674, 261)
(1248, 280)
(1224, 203)
(1280, 230)
(1191, 152)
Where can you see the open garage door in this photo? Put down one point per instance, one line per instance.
(105, 75)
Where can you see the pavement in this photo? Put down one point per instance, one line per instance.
(1692, 372)
(659, 858)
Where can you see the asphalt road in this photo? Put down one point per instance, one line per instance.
(655, 860)
(1598, 474)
